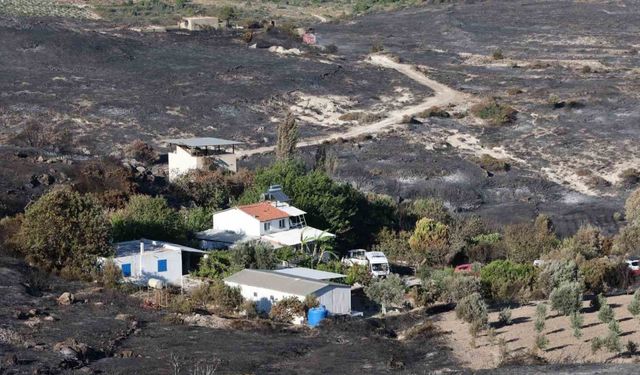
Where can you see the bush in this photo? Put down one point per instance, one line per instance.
(64, 229)
(250, 309)
(219, 297)
(286, 309)
(527, 242)
(431, 208)
(567, 298)
(634, 305)
(632, 208)
(472, 309)
(110, 274)
(504, 317)
(505, 281)
(196, 219)
(576, 320)
(331, 48)
(141, 151)
(605, 313)
(358, 274)
(254, 255)
(541, 316)
(494, 113)
(147, 217)
(556, 272)
(587, 243)
(377, 47)
(497, 54)
(181, 304)
(626, 241)
(430, 241)
(434, 112)
(9, 230)
(632, 347)
(601, 274)
(460, 286)
(386, 292)
(492, 164)
(214, 265)
(541, 341)
(629, 177)
(394, 245)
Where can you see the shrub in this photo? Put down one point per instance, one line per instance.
(632, 347)
(541, 341)
(310, 301)
(181, 304)
(430, 240)
(358, 274)
(541, 316)
(286, 309)
(504, 317)
(632, 208)
(377, 47)
(497, 54)
(254, 255)
(492, 164)
(64, 229)
(110, 274)
(210, 189)
(629, 177)
(527, 242)
(9, 230)
(605, 313)
(576, 320)
(147, 217)
(503, 280)
(494, 113)
(626, 241)
(219, 297)
(431, 208)
(472, 309)
(434, 112)
(587, 242)
(331, 48)
(395, 245)
(567, 298)
(214, 265)
(460, 286)
(601, 273)
(386, 292)
(634, 305)
(141, 151)
(556, 272)
(247, 36)
(196, 219)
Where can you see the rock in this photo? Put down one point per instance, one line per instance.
(40, 159)
(10, 360)
(68, 352)
(126, 353)
(46, 179)
(124, 317)
(66, 298)
(141, 169)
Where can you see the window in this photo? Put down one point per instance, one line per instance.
(126, 269)
(281, 223)
(255, 294)
(267, 226)
(162, 265)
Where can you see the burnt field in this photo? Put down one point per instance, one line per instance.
(569, 70)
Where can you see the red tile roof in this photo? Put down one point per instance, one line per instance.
(264, 211)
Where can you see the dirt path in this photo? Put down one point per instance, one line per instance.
(443, 96)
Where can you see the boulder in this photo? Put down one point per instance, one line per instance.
(66, 298)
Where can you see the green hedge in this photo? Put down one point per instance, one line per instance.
(506, 281)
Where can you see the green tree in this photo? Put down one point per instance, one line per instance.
(65, 229)
(605, 313)
(431, 208)
(196, 219)
(210, 189)
(527, 242)
(576, 320)
(473, 310)
(215, 265)
(587, 242)
(228, 13)
(147, 217)
(254, 255)
(632, 208)
(287, 138)
(505, 281)
(634, 305)
(386, 292)
(430, 240)
(540, 322)
(567, 298)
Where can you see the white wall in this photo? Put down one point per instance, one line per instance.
(181, 162)
(237, 221)
(263, 297)
(336, 299)
(172, 276)
(274, 226)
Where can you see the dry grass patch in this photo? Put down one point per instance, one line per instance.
(494, 113)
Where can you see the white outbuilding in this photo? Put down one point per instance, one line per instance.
(142, 260)
(267, 287)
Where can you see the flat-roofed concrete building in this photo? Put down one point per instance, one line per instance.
(201, 153)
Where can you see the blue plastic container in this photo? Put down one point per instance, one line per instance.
(316, 314)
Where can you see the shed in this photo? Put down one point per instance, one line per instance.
(310, 273)
(267, 287)
(201, 153)
(199, 23)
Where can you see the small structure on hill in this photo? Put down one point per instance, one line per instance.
(142, 260)
(201, 153)
(200, 23)
(268, 287)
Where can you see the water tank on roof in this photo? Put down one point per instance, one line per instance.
(316, 314)
(275, 193)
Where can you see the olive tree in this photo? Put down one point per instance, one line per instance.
(386, 292)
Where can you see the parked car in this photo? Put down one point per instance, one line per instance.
(464, 268)
(634, 266)
(375, 261)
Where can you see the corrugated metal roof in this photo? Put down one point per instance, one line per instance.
(295, 236)
(263, 211)
(310, 273)
(272, 280)
(201, 142)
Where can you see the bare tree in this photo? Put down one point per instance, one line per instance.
(287, 138)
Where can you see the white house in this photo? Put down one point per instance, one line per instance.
(268, 287)
(146, 259)
(200, 153)
(277, 223)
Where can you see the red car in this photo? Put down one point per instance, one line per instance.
(464, 268)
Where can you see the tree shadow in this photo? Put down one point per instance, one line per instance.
(511, 340)
(555, 331)
(556, 348)
(520, 319)
(627, 333)
(591, 324)
(624, 319)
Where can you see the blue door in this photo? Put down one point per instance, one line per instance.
(126, 269)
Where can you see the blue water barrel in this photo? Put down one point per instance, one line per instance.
(316, 314)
